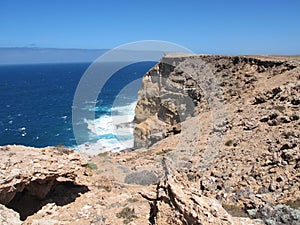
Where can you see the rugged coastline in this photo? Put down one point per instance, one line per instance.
(213, 133)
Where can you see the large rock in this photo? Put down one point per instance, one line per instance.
(177, 201)
(30, 174)
(9, 217)
(276, 215)
(149, 131)
(143, 177)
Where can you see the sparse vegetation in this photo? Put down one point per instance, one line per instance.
(130, 159)
(61, 148)
(127, 213)
(163, 152)
(132, 200)
(103, 154)
(6, 148)
(280, 108)
(294, 204)
(234, 210)
(92, 166)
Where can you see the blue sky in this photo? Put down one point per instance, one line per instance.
(215, 26)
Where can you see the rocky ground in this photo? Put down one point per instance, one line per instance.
(218, 142)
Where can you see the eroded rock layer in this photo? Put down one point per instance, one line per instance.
(179, 87)
(28, 176)
(228, 126)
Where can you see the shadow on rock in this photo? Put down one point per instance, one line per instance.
(61, 194)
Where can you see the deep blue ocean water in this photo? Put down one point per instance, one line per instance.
(36, 103)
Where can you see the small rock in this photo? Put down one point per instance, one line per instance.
(208, 184)
(263, 190)
(284, 119)
(272, 123)
(264, 119)
(143, 177)
(250, 125)
(259, 99)
(258, 196)
(272, 187)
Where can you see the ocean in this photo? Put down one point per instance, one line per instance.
(37, 99)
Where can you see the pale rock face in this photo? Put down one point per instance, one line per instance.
(31, 173)
(8, 216)
(179, 87)
(177, 201)
(256, 159)
(144, 133)
(36, 170)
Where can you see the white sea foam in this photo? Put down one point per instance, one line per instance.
(125, 110)
(112, 132)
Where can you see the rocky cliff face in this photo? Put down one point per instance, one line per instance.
(179, 87)
(56, 186)
(239, 124)
(219, 141)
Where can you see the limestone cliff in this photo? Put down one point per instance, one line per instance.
(180, 86)
(218, 140)
(239, 124)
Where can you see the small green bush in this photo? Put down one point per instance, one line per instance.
(132, 200)
(163, 152)
(92, 166)
(5, 148)
(280, 108)
(103, 154)
(127, 213)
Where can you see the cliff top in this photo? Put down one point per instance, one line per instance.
(201, 149)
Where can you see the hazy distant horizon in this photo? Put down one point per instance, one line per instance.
(34, 55)
(37, 55)
(133, 52)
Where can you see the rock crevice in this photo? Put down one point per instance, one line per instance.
(31, 178)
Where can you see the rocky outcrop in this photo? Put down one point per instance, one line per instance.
(9, 216)
(103, 200)
(276, 215)
(168, 96)
(29, 175)
(241, 141)
(179, 87)
(177, 201)
(228, 128)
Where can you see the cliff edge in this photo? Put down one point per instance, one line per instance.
(183, 86)
(217, 141)
(230, 123)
